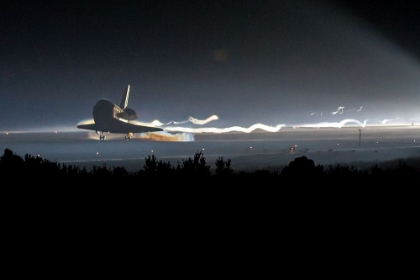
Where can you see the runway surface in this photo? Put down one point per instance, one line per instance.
(247, 151)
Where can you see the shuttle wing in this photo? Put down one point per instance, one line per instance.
(120, 127)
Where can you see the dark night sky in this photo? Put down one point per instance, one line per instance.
(270, 62)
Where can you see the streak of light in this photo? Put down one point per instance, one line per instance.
(227, 129)
(335, 124)
(340, 110)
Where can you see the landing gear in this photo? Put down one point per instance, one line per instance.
(101, 135)
(128, 136)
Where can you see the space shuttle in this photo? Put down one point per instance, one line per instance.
(111, 118)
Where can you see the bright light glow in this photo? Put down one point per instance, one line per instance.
(165, 136)
(91, 121)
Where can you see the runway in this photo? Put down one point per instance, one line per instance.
(247, 151)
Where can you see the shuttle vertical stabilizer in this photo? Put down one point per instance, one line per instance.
(124, 100)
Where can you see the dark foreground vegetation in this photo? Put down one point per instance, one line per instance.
(301, 169)
(160, 200)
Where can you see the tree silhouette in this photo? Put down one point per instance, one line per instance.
(154, 167)
(11, 163)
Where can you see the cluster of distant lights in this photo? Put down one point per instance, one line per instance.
(292, 148)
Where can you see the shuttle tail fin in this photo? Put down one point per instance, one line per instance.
(124, 100)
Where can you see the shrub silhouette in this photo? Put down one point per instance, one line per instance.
(302, 166)
(196, 166)
(223, 168)
(119, 171)
(342, 170)
(101, 171)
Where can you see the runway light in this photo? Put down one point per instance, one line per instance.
(152, 151)
(97, 153)
(202, 149)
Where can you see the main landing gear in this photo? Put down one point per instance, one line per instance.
(128, 136)
(101, 135)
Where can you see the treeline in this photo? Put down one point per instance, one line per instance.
(300, 169)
